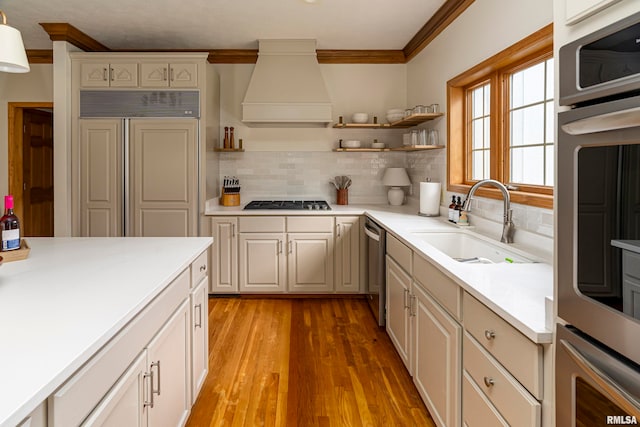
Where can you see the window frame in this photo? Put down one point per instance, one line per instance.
(496, 71)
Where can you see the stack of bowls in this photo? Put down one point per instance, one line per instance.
(395, 114)
(360, 118)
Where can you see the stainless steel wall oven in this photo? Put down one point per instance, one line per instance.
(598, 229)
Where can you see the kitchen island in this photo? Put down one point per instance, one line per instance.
(74, 299)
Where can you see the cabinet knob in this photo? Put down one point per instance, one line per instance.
(203, 268)
(489, 335)
(488, 381)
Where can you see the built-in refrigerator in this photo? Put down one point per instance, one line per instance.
(138, 157)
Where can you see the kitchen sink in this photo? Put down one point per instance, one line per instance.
(469, 249)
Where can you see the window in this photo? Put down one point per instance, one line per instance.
(501, 122)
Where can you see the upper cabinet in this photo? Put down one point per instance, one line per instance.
(139, 70)
(104, 74)
(159, 74)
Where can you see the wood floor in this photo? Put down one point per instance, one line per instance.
(303, 362)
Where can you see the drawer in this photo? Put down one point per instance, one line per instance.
(261, 224)
(199, 268)
(310, 224)
(72, 402)
(400, 252)
(477, 411)
(442, 288)
(519, 355)
(512, 400)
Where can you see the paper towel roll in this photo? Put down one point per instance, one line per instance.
(430, 198)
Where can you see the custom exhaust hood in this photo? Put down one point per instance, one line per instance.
(287, 88)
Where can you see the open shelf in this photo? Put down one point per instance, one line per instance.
(405, 148)
(412, 120)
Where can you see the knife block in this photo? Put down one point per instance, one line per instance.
(229, 199)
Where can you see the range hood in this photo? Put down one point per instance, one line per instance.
(286, 87)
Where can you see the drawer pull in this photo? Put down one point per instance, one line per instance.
(489, 335)
(203, 268)
(489, 382)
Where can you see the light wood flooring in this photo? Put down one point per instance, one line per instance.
(302, 363)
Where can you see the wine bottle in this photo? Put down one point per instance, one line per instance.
(9, 226)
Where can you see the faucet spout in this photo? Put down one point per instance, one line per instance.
(508, 228)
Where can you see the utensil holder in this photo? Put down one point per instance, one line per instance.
(343, 196)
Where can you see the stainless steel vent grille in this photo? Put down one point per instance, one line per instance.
(139, 103)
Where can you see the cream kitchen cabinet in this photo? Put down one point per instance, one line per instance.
(224, 255)
(398, 320)
(347, 254)
(164, 74)
(144, 375)
(504, 365)
(105, 74)
(436, 350)
(199, 316)
(286, 254)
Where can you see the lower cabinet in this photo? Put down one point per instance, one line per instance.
(262, 262)
(286, 254)
(398, 313)
(224, 255)
(199, 337)
(347, 254)
(155, 389)
(150, 373)
(436, 357)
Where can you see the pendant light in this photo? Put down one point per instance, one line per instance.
(13, 58)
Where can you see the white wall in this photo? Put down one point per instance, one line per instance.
(34, 86)
(484, 29)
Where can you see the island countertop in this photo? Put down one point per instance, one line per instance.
(68, 299)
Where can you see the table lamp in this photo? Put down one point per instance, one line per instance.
(395, 178)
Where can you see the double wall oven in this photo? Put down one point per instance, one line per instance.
(598, 229)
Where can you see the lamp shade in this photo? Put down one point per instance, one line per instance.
(396, 177)
(13, 58)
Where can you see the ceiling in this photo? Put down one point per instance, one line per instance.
(225, 24)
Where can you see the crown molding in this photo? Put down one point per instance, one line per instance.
(40, 56)
(70, 34)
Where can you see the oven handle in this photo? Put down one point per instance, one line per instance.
(603, 122)
(371, 233)
(619, 395)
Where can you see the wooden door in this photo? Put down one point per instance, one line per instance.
(224, 255)
(347, 254)
(397, 322)
(310, 262)
(100, 177)
(164, 177)
(436, 358)
(37, 144)
(262, 262)
(168, 360)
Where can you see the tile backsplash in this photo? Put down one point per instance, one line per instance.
(306, 174)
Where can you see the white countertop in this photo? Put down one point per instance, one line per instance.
(68, 299)
(516, 292)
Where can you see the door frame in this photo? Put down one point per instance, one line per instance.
(15, 149)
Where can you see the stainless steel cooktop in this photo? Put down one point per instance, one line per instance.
(318, 205)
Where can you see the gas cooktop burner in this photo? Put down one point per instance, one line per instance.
(318, 205)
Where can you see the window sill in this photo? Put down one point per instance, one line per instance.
(520, 197)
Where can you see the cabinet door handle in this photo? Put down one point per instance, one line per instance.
(489, 334)
(164, 73)
(105, 74)
(406, 294)
(338, 230)
(157, 365)
(171, 73)
(489, 382)
(279, 246)
(149, 376)
(198, 324)
(233, 230)
(111, 74)
(412, 306)
(203, 267)
(290, 247)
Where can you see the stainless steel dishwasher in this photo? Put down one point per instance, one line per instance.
(376, 279)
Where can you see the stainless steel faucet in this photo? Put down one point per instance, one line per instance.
(508, 228)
